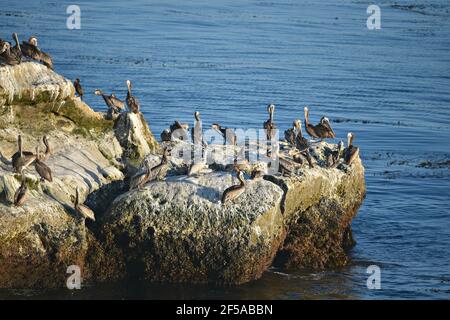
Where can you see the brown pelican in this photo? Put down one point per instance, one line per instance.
(322, 130)
(41, 168)
(180, 128)
(48, 150)
(159, 171)
(257, 174)
(140, 178)
(111, 101)
(132, 102)
(22, 159)
(83, 210)
(242, 165)
(289, 136)
(198, 166)
(334, 156)
(234, 191)
(21, 194)
(78, 88)
(351, 152)
(301, 143)
(16, 50)
(30, 49)
(166, 135)
(7, 56)
(269, 125)
(196, 132)
(227, 133)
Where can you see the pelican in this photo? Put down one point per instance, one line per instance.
(159, 171)
(140, 178)
(181, 130)
(16, 50)
(48, 150)
(78, 88)
(22, 159)
(351, 152)
(111, 101)
(7, 56)
(289, 135)
(234, 191)
(196, 132)
(166, 135)
(301, 143)
(83, 210)
(322, 130)
(242, 165)
(21, 194)
(41, 168)
(227, 133)
(132, 102)
(333, 157)
(30, 49)
(269, 125)
(198, 166)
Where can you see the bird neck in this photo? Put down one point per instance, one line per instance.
(76, 197)
(241, 180)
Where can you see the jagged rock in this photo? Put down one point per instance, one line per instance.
(174, 230)
(41, 239)
(178, 230)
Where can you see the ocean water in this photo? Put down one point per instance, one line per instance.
(229, 59)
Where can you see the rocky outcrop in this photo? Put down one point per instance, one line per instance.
(178, 230)
(39, 240)
(174, 230)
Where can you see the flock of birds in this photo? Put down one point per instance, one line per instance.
(13, 55)
(293, 136)
(21, 160)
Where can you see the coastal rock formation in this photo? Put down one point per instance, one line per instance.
(174, 230)
(178, 231)
(39, 240)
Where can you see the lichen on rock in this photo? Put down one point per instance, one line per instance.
(173, 230)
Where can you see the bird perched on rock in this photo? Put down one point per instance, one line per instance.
(79, 90)
(44, 171)
(234, 191)
(83, 210)
(132, 102)
(322, 130)
(31, 50)
(21, 194)
(351, 152)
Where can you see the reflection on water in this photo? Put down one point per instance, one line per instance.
(228, 60)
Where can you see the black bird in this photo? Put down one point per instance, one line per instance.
(78, 88)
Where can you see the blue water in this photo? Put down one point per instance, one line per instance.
(229, 59)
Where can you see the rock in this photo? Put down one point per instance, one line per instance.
(174, 230)
(177, 230)
(41, 239)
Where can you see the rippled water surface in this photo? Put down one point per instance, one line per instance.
(229, 59)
